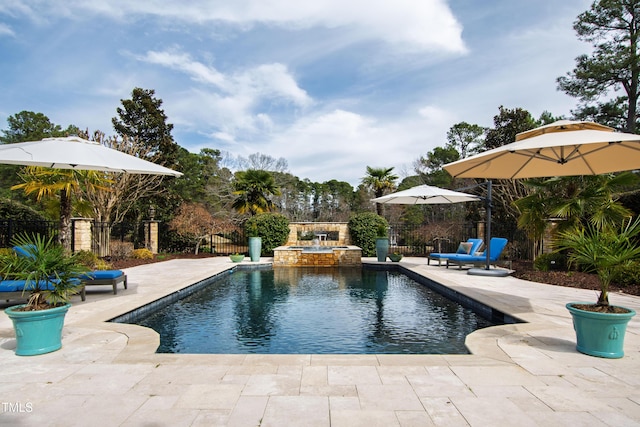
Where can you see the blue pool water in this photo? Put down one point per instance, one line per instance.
(314, 311)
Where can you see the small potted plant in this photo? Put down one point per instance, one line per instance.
(51, 276)
(382, 242)
(600, 327)
(395, 257)
(237, 257)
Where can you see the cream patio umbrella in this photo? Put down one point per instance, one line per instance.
(430, 195)
(80, 154)
(562, 148)
(426, 194)
(77, 153)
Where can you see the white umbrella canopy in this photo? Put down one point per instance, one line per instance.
(426, 194)
(562, 148)
(77, 153)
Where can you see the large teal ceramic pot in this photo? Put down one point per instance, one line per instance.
(37, 332)
(382, 249)
(255, 247)
(600, 334)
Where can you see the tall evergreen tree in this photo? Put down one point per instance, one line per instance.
(607, 82)
(30, 126)
(142, 120)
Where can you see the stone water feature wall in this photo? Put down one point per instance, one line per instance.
(289, 256)
(317, 244)
(328, 233)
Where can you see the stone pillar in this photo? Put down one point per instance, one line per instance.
(82, 239)
(481, 230)
(151, 236)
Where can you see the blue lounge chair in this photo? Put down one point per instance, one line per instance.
(105, 277)
(476, 243)
(496, 246)
(14, 289)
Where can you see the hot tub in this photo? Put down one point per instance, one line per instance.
(317, 256)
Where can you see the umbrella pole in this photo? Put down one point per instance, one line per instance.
(488, 210)
(486, 271)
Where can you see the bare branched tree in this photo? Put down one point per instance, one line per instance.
(126, 189)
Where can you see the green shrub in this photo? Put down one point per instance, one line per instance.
(363, 229)
(627, 274)
(102, 265)
(7, 252)
(120, 250)
(17, 211)
(273, 228)
(550, 261)
(87, 258)
(142, 254)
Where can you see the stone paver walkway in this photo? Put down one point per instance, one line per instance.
(527, 374)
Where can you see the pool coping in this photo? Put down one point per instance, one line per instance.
(143, 342)
(489, 313)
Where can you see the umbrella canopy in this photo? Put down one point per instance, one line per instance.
(77, 153)
(562, 148)
(426, 194)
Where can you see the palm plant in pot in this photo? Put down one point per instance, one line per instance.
(44, 269)
(255, 241)
(382, 242)
(600, 327)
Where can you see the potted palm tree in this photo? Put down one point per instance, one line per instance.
(255, 241)
(600, 327)
(382, 243)
(51, 276)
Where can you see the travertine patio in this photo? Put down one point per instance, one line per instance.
(525, 374)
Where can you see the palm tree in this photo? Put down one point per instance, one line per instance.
(379, 180)
(253, 188)
(602, 250)
(47, 182)
(576, 200)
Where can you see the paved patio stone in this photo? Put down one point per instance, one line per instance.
(108, 374)
(296, 410)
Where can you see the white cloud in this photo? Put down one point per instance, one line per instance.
(415, 24)
(6, 30)
(231, 103)
(340, 144)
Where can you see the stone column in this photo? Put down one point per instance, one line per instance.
(82, 238)
(151, 236)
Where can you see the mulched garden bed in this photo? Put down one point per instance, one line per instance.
(573, 279)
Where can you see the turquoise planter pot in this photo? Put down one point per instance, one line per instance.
(600, 334)
(255, 247)
(382, 249)
(37, 332)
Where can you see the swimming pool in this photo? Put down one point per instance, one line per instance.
(314, 311)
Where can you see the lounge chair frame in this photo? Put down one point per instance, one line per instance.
(13, 295)
(110, 281)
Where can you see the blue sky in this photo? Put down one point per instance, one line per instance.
(330, 86)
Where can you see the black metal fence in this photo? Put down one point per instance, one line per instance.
(408, 240)
(10, 228)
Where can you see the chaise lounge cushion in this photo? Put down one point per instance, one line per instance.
(10, 289)
(106, 277)
(23, 251)
(496, 246)
(475, 245)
